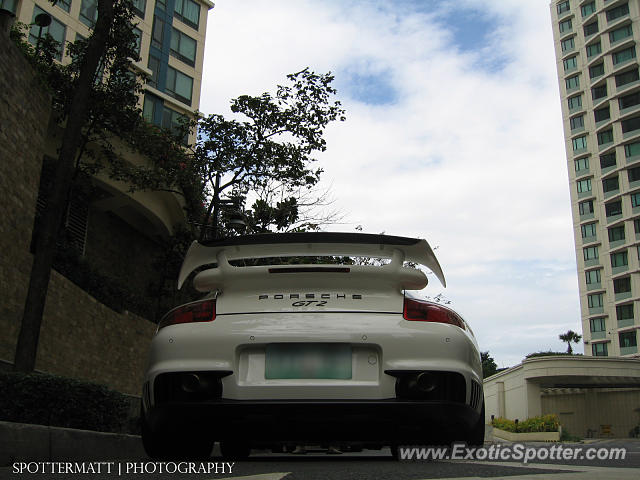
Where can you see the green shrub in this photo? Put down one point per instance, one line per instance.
(543, 423)
(552, 354)
(61, 402)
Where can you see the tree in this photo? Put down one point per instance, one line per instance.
(489, 366)
(570, 337)
(274, 146)
(94, 100)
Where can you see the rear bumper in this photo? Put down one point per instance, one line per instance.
(384, 421)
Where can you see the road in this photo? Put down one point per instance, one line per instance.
(318, 465)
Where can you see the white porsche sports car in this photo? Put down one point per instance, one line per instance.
(295, 354)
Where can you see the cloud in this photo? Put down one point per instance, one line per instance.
(447, 138)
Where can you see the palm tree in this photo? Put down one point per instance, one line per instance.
(570, 337)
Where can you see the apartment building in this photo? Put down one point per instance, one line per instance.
(596, 45)
(171, 44)
(120, 234)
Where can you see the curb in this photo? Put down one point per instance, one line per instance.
(20, 442)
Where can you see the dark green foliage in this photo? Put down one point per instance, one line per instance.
(62, 402)
(551, 354)
(570, 337)
(542, 423)
(272, 150)
(112, 293)
(489, 366)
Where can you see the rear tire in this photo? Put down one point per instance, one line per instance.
(231, 450)
(476, 434)
(167, 445)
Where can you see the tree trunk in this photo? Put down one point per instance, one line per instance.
(27, 346)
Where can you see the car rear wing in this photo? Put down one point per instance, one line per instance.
(219, 252)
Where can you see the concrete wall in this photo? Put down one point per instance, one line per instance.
(595, 412)
(80, 337)
(577, 389)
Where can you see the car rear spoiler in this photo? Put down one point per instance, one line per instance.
(310, 244)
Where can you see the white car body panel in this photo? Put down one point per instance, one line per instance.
(297, 312)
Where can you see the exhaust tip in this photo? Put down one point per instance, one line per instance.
(426, 382)
(191, 383)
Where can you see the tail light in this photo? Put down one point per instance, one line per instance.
(204, 311)
(419, 311)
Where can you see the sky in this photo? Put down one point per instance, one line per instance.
(453, 134)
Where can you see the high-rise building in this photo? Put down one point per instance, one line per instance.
(116, 234)
(596, 45)
(171, 44)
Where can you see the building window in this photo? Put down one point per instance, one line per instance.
(563, 7)
(572, 82)
(585, 208)
(608, 160)
(56, 29)
(584, 185)
(188, 12)
(157, 34)
(567, 45)
(632, 149)
(635, 200)
(588, 230)
(605, 137)
(619, 259)
(154, 66)
(9, 5)
(592, 277)
(595, 300)
(588, 8)
(579, 143)
(627, 339)
(89, 12)
(616, 233)
(622, 285)
(617, 12)
(161, 4)
(64, 5)
(138, 33)
(581, 164)
(624, 312)
(602, 114)
(623, 55)
(183, 47)
(633, 174)
(590, 29)
(139, 7)
(630, 125)
(610, 184)
(629, 100)
(614, 208)
(179, 85)
(574, 102)
(577, 122)
(596, 70)
(636, 225)
(599, 349)
(154, 111)
(599, 92)
(627, 77)
(597, 324)
(594, 49)
(570, 63)
(565, 26)
(590, 253)
(620, 33)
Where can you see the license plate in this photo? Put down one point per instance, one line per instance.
(301, 360)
